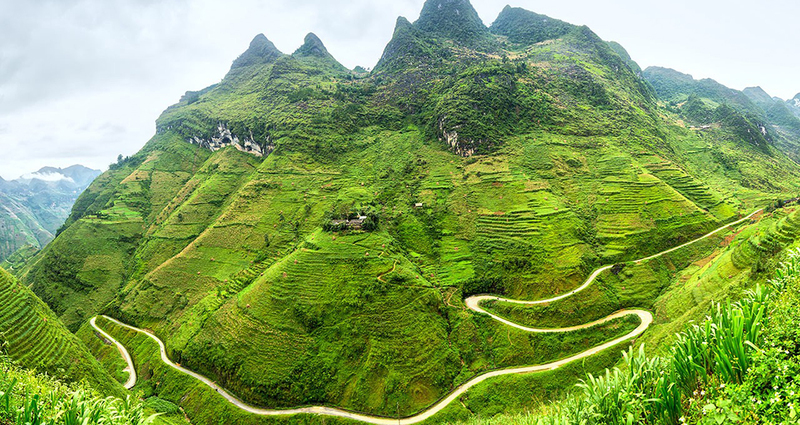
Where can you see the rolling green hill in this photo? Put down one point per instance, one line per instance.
(33, 337)
(510, 159)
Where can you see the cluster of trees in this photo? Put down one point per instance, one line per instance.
(125, 160)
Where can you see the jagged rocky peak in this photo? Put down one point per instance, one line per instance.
(402, 48)
(794, 104)
(261, 51)
(403, 23)
(455, 19)
(312, 46)
(314, 52)
(525, 27)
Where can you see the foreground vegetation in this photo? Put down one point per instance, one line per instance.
(28, 398)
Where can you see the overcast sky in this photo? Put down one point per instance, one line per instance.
(82, 81)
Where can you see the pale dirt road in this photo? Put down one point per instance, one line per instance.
(125, 355)
(473, 303)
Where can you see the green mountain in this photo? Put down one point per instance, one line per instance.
(616, 47)
(33, 337)
(752, 113)
(34, 206)
(304, 235)
(455, 21)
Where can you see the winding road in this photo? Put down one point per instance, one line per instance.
(125, 355)
(473, 303)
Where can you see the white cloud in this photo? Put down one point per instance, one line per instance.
(48, 177)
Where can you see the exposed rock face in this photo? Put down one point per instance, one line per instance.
(464, 148)
(794, 105)
(225, 138)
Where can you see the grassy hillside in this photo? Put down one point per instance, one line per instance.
(34, 337)
(486, 161)
(738, 364)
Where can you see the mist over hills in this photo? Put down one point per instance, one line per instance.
(34, 206)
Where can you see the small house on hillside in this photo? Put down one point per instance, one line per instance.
(353, 223)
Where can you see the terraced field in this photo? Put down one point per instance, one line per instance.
(306, 275)
(34, 337)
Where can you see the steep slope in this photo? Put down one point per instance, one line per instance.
(314, 52)
(780, 115)
(35, 338)
(483, 164)
(454, 20)
(33, 207)
(261, 51)
(616, 47)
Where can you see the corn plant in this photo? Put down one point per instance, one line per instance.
(41, 400)
(5, 396)
(788, 270)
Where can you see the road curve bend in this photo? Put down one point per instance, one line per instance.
(473, 303)
(125, 355)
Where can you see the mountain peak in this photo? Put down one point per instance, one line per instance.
(314, 52)
(260, 51)
(795, 103)
(402, 22)
(455, 19)
(525, 27)
(312, 46)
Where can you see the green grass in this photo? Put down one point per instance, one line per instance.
(737, 365)
(501, 218)
(679, 286)
(28, 398)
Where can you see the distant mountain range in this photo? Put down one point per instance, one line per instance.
(34, 206)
